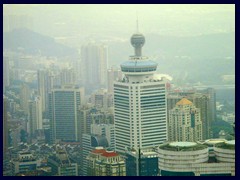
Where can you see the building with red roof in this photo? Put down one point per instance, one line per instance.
(103, 162)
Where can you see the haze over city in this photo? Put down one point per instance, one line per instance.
(94, 86)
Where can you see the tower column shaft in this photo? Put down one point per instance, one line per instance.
(138, 51)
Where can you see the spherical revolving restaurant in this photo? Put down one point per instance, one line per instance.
(137, 40)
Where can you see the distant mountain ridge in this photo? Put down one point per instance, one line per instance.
(34, 43)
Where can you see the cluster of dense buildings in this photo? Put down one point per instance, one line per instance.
(135, 127)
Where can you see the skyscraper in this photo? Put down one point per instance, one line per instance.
(35, 115)
(201, 101)
(45, 84)
(139, 102)
(212, 105)
(63, 106)
(68, 76)
(185, 122)
(94, 59)
(113, 74)
(24, 97)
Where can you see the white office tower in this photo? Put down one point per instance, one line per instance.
(140, 114)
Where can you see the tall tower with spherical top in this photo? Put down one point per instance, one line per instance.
(139, 102)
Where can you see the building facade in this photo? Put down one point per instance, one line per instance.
(35, 116)
(184, 122)
(24, 163)
(140, 114)
(45, 85)
(94, 58)
(105, 163)
(201, 101)
(113, 74)
(142, 162)
(192, 159)
(68, 76)
(63, 107)
(61, 165)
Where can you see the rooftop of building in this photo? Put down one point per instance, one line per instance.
(59, 159)
(109, 154)
(226, 145)
(214, 141)
(98, 151)
(184, 101)
(104, 152)
(182, 146)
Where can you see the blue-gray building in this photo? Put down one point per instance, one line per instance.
(63, 106)
(142, 163)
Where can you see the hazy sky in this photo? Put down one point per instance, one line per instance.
(104, 19)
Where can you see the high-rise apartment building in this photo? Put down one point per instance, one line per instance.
(185, 122)
(84, 116)
(68, 76)
(140, 109)
(35, 115)
(211, 92)
(45, 85)
(63, 107)
(24, 97)
(201, 101)
(113, 74)
(94, 58)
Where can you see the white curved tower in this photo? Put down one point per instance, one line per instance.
(139, 102)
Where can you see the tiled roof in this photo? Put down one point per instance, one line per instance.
(109, 154)
(98, 151)
(184, 101)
